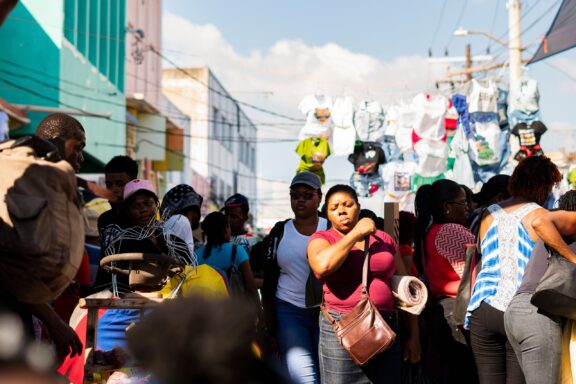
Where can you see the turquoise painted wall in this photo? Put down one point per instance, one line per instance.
(68, 54)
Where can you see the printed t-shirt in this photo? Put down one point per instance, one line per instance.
(367, 158)
(313, 152)
(220, 257)
(317, 109)
(342, 288)
(445, 257)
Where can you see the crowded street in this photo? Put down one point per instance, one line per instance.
(327, 192)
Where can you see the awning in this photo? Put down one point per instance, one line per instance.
(14, 113)
(562, 33)
(91, 164)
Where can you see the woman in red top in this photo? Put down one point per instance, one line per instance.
(440, 247)
(336, 256)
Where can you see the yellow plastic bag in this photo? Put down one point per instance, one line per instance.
(200, 280)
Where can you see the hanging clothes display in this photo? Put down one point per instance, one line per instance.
(429, 117)
(432, 161)
(461, 170)
(482, 98)
(485, 141)
(4, 129)
(318, 111)
(367, 157)
(344, 134)
(451, 117)
(405, 123)
(366, 185)
(460, 104)
(398, 178)
(524, 103)
(389, 145)
(529, 139)
(369, 121)
(313, 152)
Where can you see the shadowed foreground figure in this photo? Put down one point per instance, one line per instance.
(197, 340)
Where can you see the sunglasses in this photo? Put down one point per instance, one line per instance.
(302, 195)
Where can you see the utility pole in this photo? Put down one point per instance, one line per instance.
(468, 62)
(514, 42)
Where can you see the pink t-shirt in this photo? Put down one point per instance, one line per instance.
(342, 288)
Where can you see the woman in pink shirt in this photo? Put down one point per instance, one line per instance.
(440, 247)
(336, 257)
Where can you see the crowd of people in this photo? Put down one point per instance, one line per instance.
(241, 308)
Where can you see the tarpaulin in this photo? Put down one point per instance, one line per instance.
(561, 35)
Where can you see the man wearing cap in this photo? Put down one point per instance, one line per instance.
(181, 211)
(289, 322)
(236, 209)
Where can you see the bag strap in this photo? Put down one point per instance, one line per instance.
(365, 270)
(232, 260)
(366, 266)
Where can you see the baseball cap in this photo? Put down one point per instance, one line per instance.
(307, 178)
(495, 185)
(236, 200)
(178, 199)
(138, 185)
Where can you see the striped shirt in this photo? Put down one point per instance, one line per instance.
(506, 249)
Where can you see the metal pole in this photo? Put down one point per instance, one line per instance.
(514, 42)
(468, 62)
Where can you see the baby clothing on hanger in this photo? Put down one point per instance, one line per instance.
(429, 118)
(483, 98)
(369, 121)
(344, 134)
(318, 112)
(529, 139)
(525, 97)
(367, 158)
(313, 152)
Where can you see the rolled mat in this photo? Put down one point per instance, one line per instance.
(410, 293)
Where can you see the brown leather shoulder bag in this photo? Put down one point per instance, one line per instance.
(362, 331)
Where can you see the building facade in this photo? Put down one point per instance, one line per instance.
(221, 154)
(68, 56)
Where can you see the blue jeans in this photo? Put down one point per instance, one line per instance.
(362, 183)
(298, 341)
(337, 367)
(536, 340)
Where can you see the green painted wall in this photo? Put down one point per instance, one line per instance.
(68, 54)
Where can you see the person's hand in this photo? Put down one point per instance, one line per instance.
(65, 340)
(412, 350)
(365, 227)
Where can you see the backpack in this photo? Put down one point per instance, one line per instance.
(41, 224)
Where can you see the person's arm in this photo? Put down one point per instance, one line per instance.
(552, 226)
(248, 281)
(64, 337)
(326, 258)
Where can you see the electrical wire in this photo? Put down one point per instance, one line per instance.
(438, 25)
(462, 11)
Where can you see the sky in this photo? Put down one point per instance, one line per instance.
(273, 53)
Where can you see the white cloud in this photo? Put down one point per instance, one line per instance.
(291, 69)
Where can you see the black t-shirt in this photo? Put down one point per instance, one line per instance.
(529, 135)
(367, 158)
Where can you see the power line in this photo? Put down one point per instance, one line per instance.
(223, 94)
(438, 25)
(151, 129)
(462, 11)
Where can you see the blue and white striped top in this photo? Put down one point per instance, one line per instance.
(506, 249)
